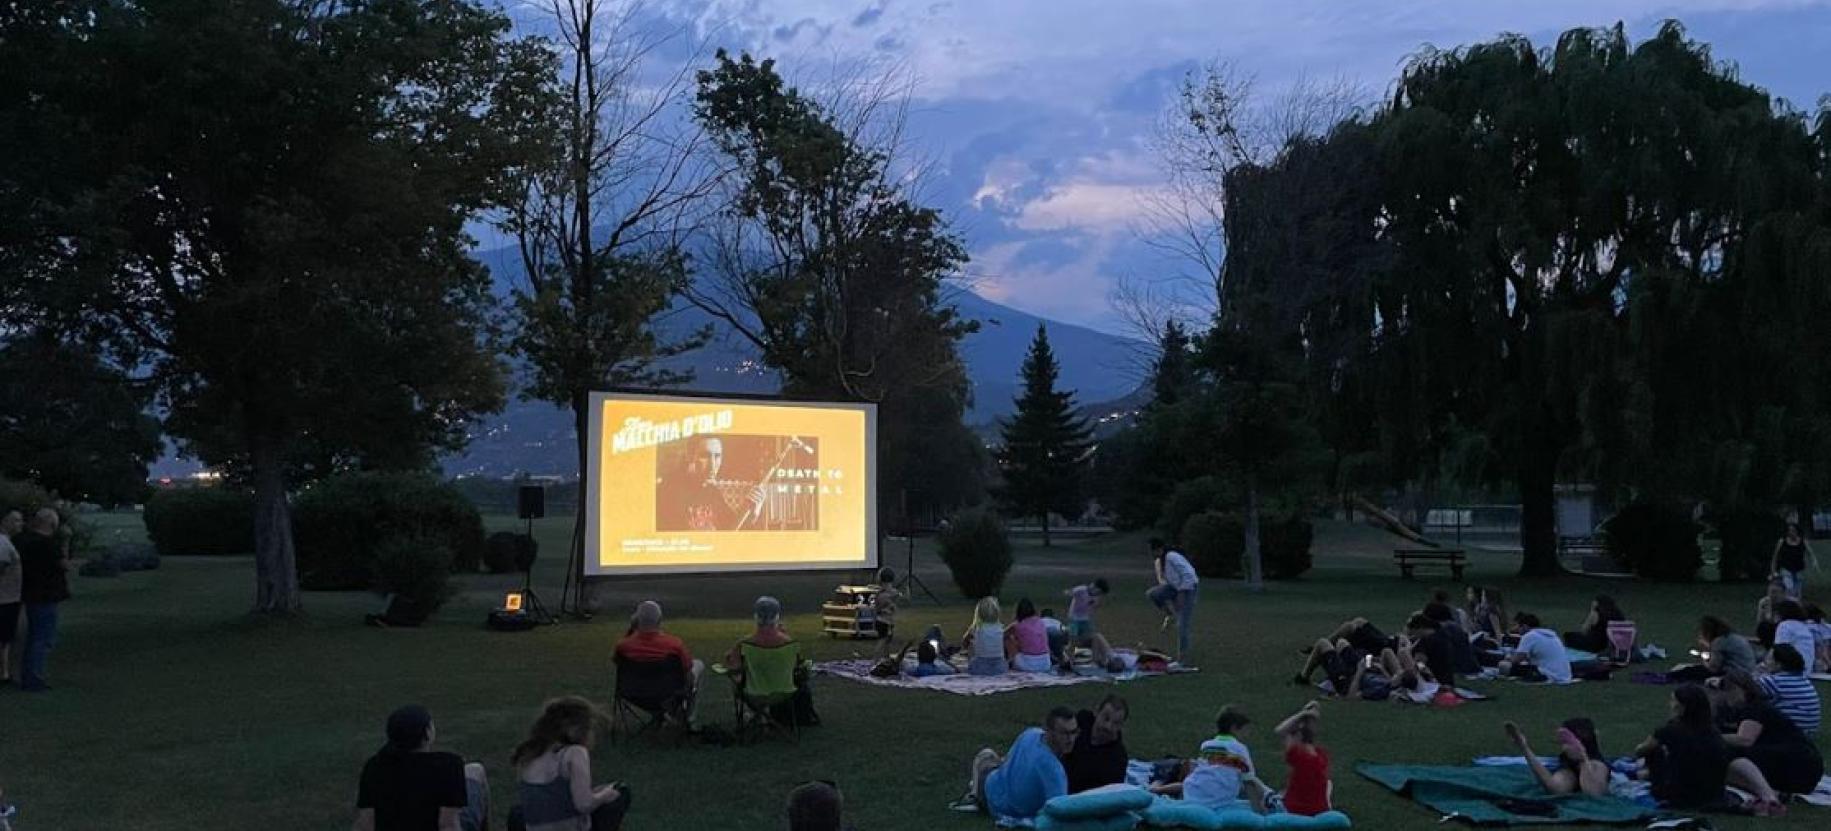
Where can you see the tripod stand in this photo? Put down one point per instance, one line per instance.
(910, 581)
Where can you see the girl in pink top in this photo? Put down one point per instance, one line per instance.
(1028, 640)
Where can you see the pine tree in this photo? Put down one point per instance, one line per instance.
(1173, 373)
(1046, 444)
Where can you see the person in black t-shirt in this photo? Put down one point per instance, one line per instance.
(1099, 756)
(1689, 764)
(44, 558)
(1433, 648)
(1462, 650)
(1756, 731)
(407, 786)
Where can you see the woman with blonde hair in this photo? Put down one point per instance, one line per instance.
(985, 641)
(553, 773)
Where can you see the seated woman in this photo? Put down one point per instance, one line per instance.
(1487, 614)
(1593, 637)
(985, 640)
(553, 773)
(1723, 651)
(1757, 731)
(1580, 762)
(1689, 765)
(1027, 641)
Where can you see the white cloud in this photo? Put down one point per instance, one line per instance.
(1086, 206)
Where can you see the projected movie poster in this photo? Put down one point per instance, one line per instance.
(684, 484)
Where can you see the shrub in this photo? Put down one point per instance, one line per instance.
(417, 571)
(977, 553)
(1657, 540)
(1747, 535)
(102, 565)
(500, 552)
(1203, 493)
(1215, 543)
(202, 521)
(340, 525)
(1284, 548)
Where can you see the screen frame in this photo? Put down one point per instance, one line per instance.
(590, 567)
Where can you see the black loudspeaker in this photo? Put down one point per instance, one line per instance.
(531, 502)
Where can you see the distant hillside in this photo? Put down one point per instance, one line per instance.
(536, 437)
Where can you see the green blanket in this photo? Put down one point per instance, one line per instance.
(1474, 794)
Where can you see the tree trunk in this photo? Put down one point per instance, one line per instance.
(1045, 529)
(1255, 566)
(1538, 534)
(276, 569)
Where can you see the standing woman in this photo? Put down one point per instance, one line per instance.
(553, 773)
(1791, 555)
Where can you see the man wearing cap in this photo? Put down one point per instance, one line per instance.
(646, 642)
(408, 786)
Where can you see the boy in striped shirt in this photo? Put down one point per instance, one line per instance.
(1789, 690)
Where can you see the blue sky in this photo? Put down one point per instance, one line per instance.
(1034, 117)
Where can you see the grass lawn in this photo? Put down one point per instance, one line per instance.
(173, 711)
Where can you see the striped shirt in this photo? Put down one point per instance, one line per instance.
(1793, 695)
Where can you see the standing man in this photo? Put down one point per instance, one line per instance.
(1175, 593)
(11, 581)
(44, 552)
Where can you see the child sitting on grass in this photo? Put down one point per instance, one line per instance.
(1306, 793)
(883, 607)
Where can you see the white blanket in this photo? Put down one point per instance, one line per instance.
(859, 669)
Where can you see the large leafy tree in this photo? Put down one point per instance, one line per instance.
(263, 204)
(1044, 457)
(74, 424)
(825, 263)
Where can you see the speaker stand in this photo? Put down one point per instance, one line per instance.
(572, 592)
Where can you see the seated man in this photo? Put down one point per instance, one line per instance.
(647, 642)
(1013, 788)
(1462, 649)
(1432, 647)
(816, 806)
(1540, 650)
(1099, 756)
(407, 786)
(770, 634)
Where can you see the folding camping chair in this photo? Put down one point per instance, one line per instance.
(648, 694)
(767, 688)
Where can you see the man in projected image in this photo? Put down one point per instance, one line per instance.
(693, 498)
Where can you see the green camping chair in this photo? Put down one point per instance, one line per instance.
(767, 687)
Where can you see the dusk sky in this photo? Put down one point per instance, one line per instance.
(1035, 116)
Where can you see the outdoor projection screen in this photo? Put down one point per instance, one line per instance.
(680, 484)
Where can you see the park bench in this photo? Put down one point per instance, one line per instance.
(1409, 558)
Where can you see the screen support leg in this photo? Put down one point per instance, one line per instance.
(572, 592)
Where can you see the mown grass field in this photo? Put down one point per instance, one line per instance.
(174, 711)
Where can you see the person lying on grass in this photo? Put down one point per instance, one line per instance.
(1689, 765)
(1306, 792)
(1222, 775)
(1099, 757)
(1581, 768)
(1013, 787)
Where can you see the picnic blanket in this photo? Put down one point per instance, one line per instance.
(859, 669)
(1475, 794)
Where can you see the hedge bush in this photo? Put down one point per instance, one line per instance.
(340, 525)
(201, 521)
(1747, 535)
(977, 552)
(417, 571)
(500, 551)
(1195, 496)
(1657, 540)
(1215, 543)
